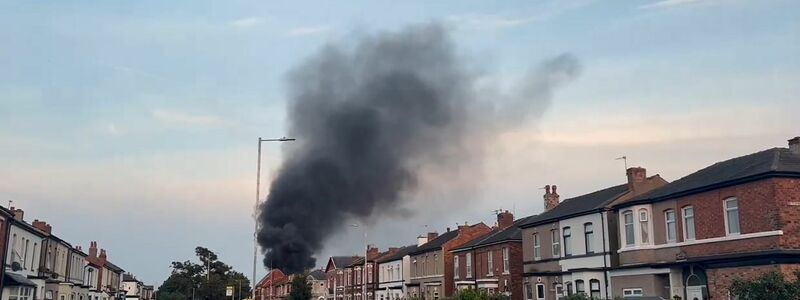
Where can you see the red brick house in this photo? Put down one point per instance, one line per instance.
(432, 262)
(5, 216)
(492, 262)
(690, 238)
(266, 287)
(337, 278)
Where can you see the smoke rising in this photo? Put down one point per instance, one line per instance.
(368, 115)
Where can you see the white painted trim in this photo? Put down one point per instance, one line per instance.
(640, 271)
(487, 280)
(705, 241)
(725, 215)
(464, 282)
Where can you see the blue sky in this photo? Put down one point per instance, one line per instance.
(134, 123)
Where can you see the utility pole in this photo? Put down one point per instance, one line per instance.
(255, 209)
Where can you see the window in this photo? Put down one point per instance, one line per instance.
(506, 258)
(632, 292)
(627, 218)
(21, 293)
(455, 266)
(688, 223)
(594, 288)
(644, 223)
(529, 291)
(567, 241)
(490, 262)
(559, 289)
(435, 263)
(540, 291)
(669, 219)
(469, 265)
(588, 237)
(732, 216)
(580, 288)
(569, 288)
(537, 247)
(556, 243)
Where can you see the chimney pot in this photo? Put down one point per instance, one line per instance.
(794, 145)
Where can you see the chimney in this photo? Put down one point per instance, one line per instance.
(505, 220)
(636, 177)
(433, 235)
(550, 197)
(372, 252)
(19, 214)
(93, 249)
(794, 145)
(103, 257)
(43, 226)
(421, 240)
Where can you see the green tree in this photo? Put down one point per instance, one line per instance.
(769, 286)
(206, 280)
(300, 289)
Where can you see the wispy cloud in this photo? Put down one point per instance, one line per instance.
(670, 3)
(483, 21)
(185, 119)
(247, 22)
(307, 30)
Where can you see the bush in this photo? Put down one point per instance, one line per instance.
(769, 286)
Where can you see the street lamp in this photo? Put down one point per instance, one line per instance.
(366, 252)
(255, 209)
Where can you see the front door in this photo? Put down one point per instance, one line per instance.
(694, 293)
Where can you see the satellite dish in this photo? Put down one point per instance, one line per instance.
(15, 266)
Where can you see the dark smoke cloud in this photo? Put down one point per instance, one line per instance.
(367, 117)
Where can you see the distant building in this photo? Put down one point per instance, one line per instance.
(21, 279)
(338, 276)
(318, 281)
(394, 273)
(132, 287)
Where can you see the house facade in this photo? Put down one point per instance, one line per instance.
(394, 274)
(493, 262)
(432, 275)
(22, 260)
(570, 248)
(339, 276)
(734, 219)
(318, 281)
(265, 288)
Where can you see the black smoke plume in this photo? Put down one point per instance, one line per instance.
(367, 116)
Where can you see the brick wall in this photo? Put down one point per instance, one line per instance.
(513, 278)
(719, 280)
(465, 234)
(787, 196)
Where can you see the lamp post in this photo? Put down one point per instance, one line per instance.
(366, 252)
(255, 209)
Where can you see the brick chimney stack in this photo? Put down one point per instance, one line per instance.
(550, 197)
(19, 214)
(372, 252)
(103, 257)
(43, 226)
(432, 235)
(421, 240)
(93, 249)
(505, 220)
(794, 145)
(636, 177)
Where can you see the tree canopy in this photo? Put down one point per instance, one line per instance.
(769, 286)
(206, 280)
(300, 289)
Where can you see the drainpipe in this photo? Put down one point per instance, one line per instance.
(603, 214)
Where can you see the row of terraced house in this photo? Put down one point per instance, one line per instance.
(39, 265)
(646, 238)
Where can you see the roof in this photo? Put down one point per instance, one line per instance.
(767, 163)
(579, 205)
(318, 274)
(12, 279)
(512, 233)
(402, 252)
(128, 277)
(437, 243)
(113, 267)
(343, 261)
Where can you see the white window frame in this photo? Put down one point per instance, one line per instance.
(566, 232)
(506, 260)
(644, 226)
(673, 223)
(490, 262)
(625, 224)
(726, 210)
(537, 247)
(588, 237)
(455, 267)
(536, 291)
(592, 290)
(632, 292)
(469, 265)
(555, 236)
(685, 227)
